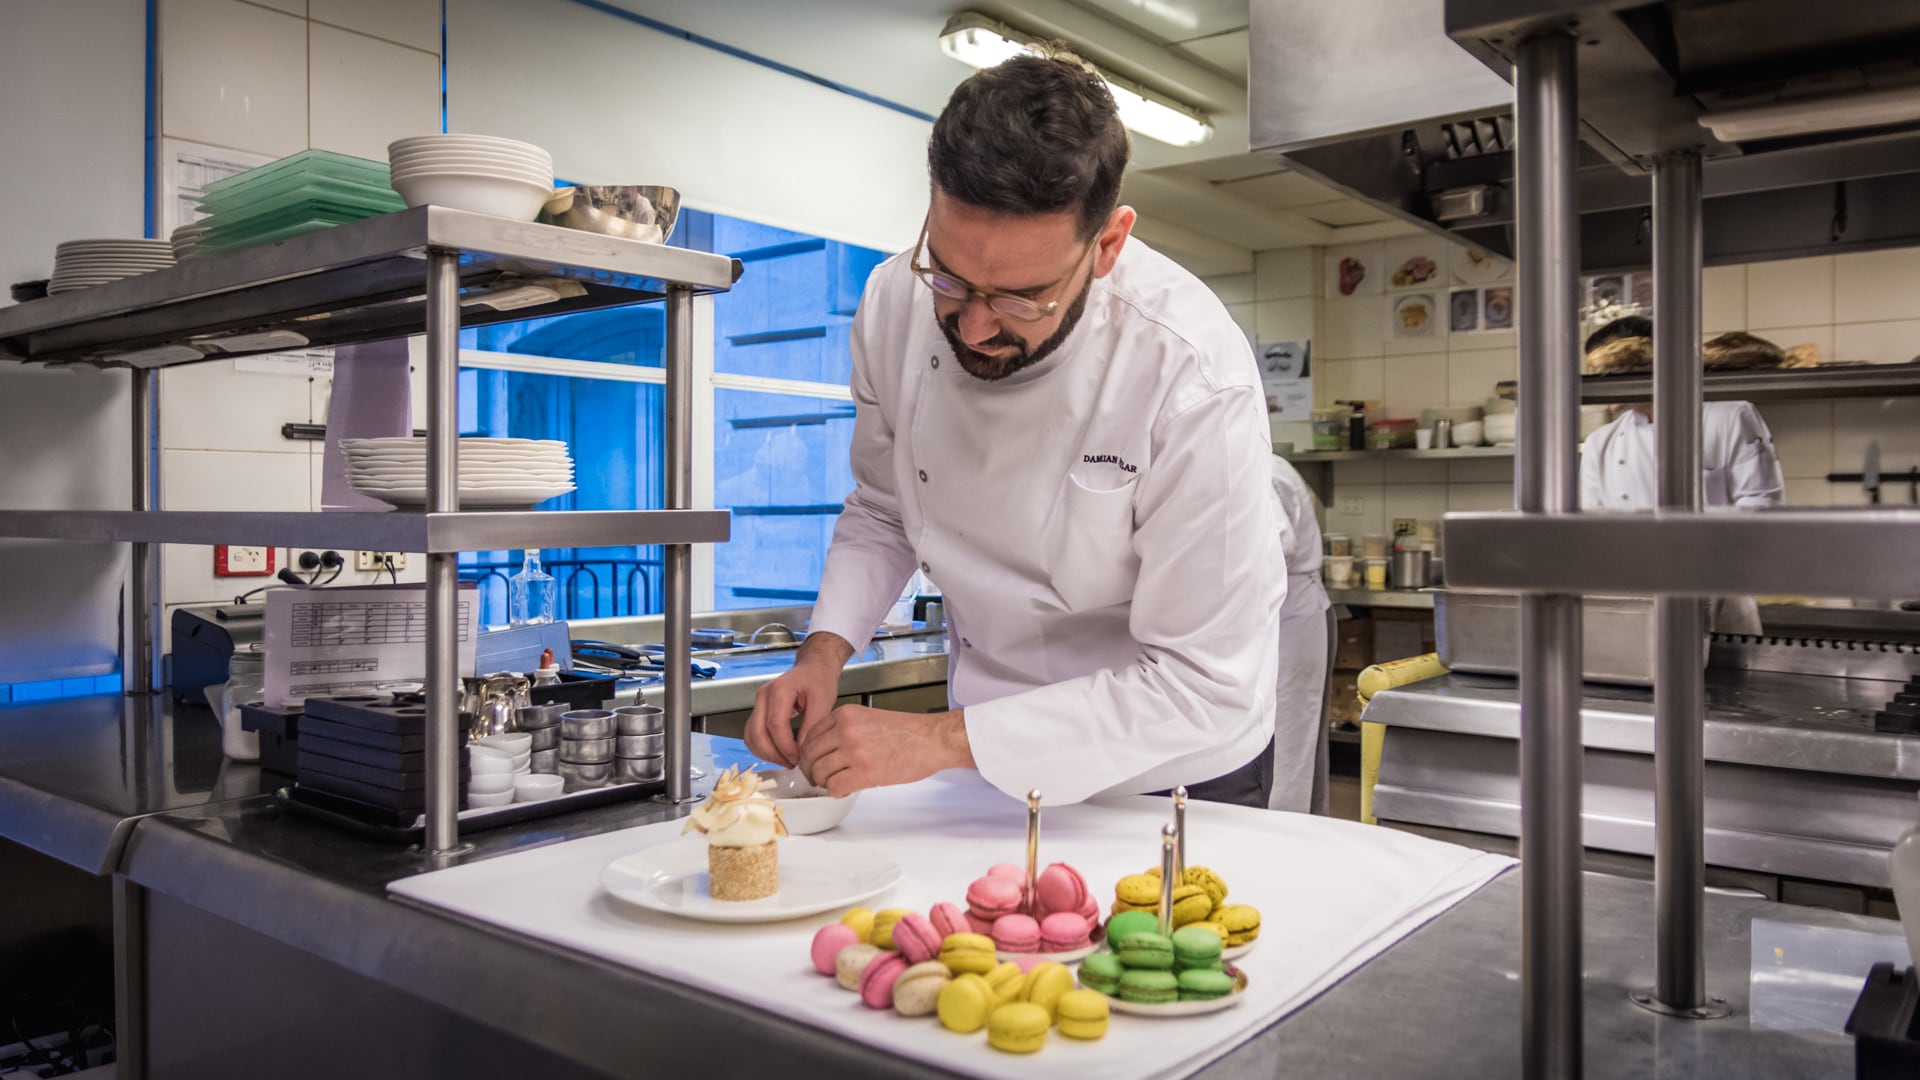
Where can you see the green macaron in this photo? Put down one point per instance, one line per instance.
(1102, 972)
(1200, 984)
(1130, 922)
(1149, 987)
(1196, 948)
(1149, 951)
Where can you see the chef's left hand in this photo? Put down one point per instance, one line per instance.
(859, 747)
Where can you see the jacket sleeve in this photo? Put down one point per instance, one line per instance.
(1753, 472)
(870, 558)
(1200, 694)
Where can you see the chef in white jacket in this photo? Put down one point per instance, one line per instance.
(1067, 431)
(1307, 637)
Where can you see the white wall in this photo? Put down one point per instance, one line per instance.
(273, 79)
(75, 66)
(616, 102)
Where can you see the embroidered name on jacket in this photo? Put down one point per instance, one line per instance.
(1109, 459)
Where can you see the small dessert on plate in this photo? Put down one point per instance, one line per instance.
(742, 826)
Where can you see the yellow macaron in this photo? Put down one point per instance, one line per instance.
(1139, 890)
(1045, 984)
(968, 954)
(883, 923)
(1006, 980)
(1082, 1014)
(860, 921)
(1209, 924)
(1121, 907)
(1018, 1028)
(1214, 884)
(965, 1003)
(1190, 904)
(1242, 922)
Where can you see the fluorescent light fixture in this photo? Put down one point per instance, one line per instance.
(1808, 116)
(978, 41)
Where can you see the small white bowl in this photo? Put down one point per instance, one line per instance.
(536, 787)
(485, 759)
(804, 808)
(513, 199)
(490, 783)
(513, 744)
(477, 799)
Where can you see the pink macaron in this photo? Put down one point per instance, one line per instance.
(1061, 888)
(948, 920)
(876, 982)
(1007, 870)
(828, 943)
(992, 897)
(1016, 934)
(979, 925)
(916, 938)
(1062, 931)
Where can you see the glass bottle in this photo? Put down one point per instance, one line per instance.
(531, 594)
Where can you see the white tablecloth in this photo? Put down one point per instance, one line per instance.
(1333, 894)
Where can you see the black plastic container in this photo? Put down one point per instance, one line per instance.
(1885, 1025)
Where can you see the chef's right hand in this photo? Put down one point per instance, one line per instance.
(808, 691)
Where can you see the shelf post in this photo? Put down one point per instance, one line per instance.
(679, 557)
(1546, 475)
(143, 671)
(1680, 629)
(443, 497)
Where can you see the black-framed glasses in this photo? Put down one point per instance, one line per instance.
(1012, 305)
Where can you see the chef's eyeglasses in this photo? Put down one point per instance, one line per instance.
(1012, 305)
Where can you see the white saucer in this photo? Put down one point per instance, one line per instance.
(815, 876)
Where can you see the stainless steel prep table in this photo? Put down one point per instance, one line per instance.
(320, 973)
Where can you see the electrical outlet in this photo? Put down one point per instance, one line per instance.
(1405, 526)
(376, 561)
(232, 561)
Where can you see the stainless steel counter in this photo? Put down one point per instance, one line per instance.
(1797, 783)
(315, 963)
(1410, 599)
(889, 665)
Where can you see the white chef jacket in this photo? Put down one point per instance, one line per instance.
(1619, 470)
(1101, 525)
(1619, 464)
(1300, 694)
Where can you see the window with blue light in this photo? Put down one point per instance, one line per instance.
(780, 459)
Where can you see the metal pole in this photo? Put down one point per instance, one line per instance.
(129, 979)
(144, 672)
(1679, 684)
(679, 557)
(1547, 476)
(443, 497)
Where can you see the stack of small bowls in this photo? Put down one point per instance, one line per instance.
(640, 744)
(497, 761)
(541, 723)
(586, 748)
(481, 173)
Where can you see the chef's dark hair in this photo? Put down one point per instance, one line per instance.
(1032, 135)
(1630, 326)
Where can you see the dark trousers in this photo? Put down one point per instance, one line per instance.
(1249, 785)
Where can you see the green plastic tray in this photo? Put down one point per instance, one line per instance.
(283, 232)
(297, 188)
(306, 162)
(274, 226)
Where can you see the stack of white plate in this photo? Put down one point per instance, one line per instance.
(495, 474)
(80, 264)
(481, 173)
(186, 239)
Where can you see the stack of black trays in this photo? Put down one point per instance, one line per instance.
(366, 758)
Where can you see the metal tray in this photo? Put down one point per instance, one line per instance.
(1480, 633)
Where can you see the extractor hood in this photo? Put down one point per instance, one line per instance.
(1808, 112)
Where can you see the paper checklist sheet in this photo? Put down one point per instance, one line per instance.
(326, 642)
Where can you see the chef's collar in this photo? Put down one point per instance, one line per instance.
(1096, 299)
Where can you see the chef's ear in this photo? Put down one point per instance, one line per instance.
(1112, 239)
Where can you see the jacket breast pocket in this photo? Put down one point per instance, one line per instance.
(1090, 547)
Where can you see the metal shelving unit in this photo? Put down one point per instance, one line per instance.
(431, 269)
(1316, 466)
(1798, 384)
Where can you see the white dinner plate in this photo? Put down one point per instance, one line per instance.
(465, 441)
(815, 875)
(488, 457)
(477, 469)
(529, 493)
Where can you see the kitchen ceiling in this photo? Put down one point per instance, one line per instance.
(1209, 206)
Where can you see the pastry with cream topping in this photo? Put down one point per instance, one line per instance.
(741, 824)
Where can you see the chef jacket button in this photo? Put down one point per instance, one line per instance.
(935, 361)
(925, 569)
(923, 476)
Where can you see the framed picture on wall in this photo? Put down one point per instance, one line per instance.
(1496, 308)
(1463, 311)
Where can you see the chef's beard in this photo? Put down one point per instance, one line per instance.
(993, 368)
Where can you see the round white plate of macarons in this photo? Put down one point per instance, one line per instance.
(815, 876)
(1174, 1009)
(1071, 956)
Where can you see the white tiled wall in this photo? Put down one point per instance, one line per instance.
(275, 77)
(1854, 308)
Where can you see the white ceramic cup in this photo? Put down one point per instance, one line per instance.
(485, 759)
(477, 799)
(1423, 438)
(513, 744)
(536, 787)
(490, 783)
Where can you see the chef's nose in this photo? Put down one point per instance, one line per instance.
(978, 323)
